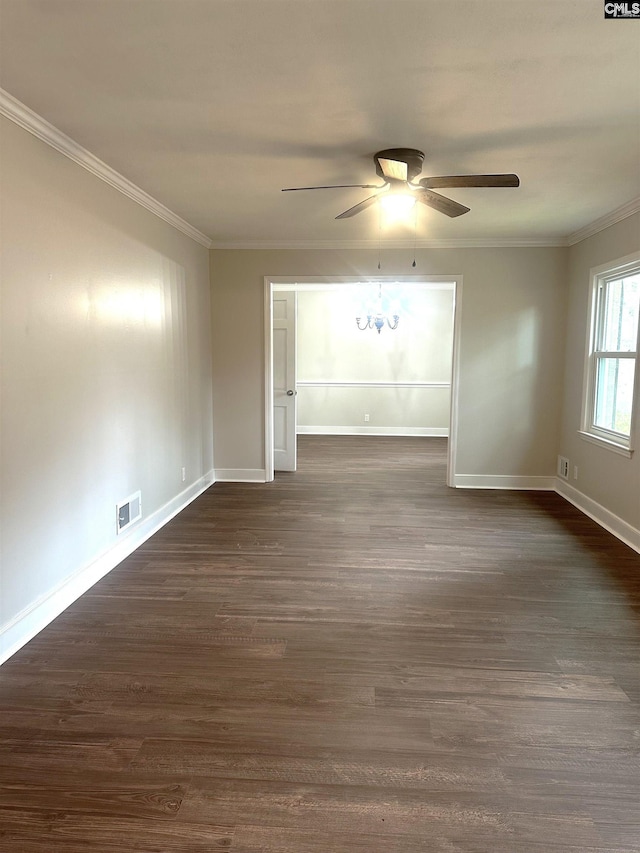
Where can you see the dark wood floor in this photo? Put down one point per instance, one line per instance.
(353, 659)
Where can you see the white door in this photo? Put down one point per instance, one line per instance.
(284, 380)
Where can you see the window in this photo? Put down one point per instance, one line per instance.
(613, 354)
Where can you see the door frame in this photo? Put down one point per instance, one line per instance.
(284, 282)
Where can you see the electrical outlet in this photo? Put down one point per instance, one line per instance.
(366, 418)
(184, 474)
(563, 467)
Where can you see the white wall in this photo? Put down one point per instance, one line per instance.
(106, 377)
(400, 378)
(511, 349)
(608, 485)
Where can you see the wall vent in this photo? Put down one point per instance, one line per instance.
(128, 512)
(563, 467)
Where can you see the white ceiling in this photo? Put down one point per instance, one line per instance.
(212, 106)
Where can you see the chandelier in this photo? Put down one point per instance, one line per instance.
(377, 317)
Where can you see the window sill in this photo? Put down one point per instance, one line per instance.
(608, 445)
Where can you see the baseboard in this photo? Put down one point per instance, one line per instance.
(502, 481)
(442, 432)
(602, 516)
(241, 475)
(30, 621)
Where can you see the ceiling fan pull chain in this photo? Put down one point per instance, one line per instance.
(415, 229)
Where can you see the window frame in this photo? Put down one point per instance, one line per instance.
(600, 277)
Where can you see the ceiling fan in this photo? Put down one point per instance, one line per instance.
(398, 167)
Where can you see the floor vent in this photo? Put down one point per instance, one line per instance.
(129, 511)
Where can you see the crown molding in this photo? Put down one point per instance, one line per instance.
(454, 243)
(603, 222)
(30, 121)
(19, 113)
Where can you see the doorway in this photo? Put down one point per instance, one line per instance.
(354, 390)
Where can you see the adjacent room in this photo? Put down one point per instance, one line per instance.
(320, 529)
(327, 378)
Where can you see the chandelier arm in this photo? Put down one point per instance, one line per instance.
(367, 324)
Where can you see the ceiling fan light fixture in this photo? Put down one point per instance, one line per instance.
(397, 205)
(398, 167)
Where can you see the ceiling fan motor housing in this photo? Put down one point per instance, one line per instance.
(411, 156)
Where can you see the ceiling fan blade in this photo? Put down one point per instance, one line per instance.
(357, 208)
(470, 181)
(441, 203)
(394, 170)
(335, 187)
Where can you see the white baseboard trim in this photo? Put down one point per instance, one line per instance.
(30, 621)
(241, 475)
(602, 516)
(500, 481)
(372, 430)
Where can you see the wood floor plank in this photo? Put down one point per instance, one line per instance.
(253, 839)
(425, 771)
(352, 658)
(351, 809)
(46, 831)
(91, 794)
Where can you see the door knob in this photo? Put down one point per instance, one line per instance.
(289, 393)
